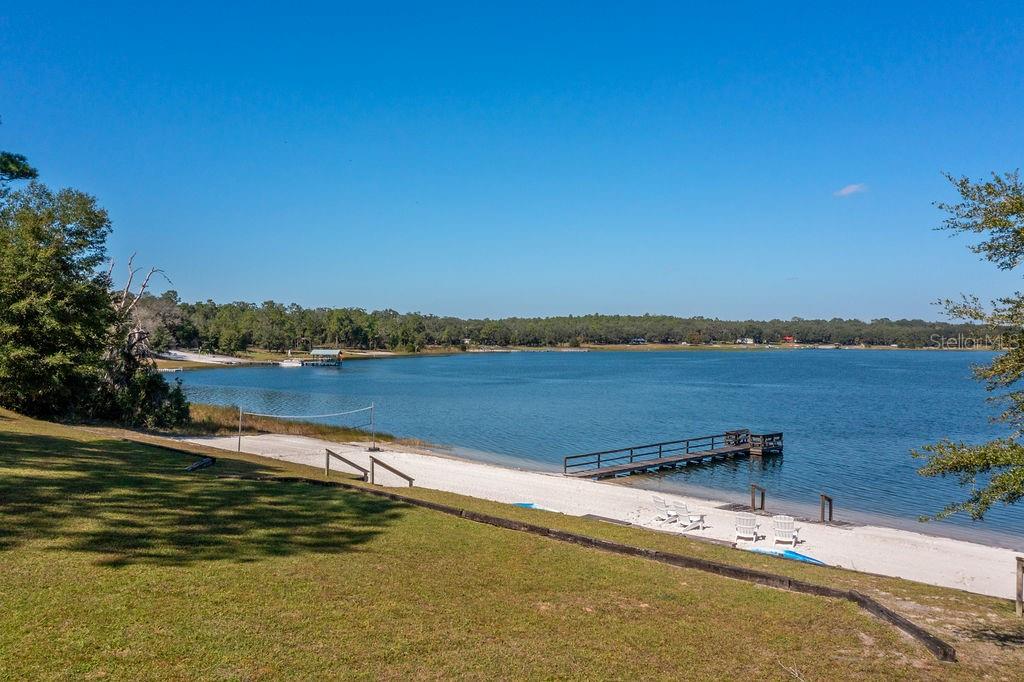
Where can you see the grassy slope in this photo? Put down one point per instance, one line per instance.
(117, 563)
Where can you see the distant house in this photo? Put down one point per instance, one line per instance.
(638, 341)
(746, 341)
(788, 339)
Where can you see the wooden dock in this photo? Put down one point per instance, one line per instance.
(671, 454)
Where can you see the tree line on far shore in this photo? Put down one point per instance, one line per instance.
(238, 326)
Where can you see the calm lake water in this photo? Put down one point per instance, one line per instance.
(850, 417)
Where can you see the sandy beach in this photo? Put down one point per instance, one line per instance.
(874, 549)
(207, 358)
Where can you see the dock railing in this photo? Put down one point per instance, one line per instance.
(765, 443)
(654, 451)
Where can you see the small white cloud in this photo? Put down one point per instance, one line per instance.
(856, 188)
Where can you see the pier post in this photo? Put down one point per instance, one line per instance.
(825, 498)
(239, 428)
(755, 487)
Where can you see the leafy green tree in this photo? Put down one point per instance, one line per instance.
(55, 308)
(994, 211)
(15, 167)
(70, 348)
(161, 316)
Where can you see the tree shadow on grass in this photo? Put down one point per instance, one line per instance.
(127, 503)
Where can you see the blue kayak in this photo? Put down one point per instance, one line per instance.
(787, 554)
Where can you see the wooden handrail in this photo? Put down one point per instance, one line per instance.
(374, 462)
(650, 445)
(327, 464)
(656, 450)
(765, 444)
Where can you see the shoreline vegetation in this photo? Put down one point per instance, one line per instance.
(268, 357)
(238, 327)
(569, 598)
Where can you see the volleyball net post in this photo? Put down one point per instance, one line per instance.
(373, 429)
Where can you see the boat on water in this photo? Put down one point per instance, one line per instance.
(290, 362)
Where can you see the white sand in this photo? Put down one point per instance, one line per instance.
(873, 549)
(208, 358)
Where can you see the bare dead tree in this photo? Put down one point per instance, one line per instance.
(133, 337)
(133, 391)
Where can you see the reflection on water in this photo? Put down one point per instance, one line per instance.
(849, 417)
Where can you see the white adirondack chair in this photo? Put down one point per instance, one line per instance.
(746, 526)
(662, 513)
(694, 520)
(786, 530)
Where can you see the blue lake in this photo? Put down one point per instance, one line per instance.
(850, 417)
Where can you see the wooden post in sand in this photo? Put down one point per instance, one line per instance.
(373, 428)
(239, 428)
(1020, 586)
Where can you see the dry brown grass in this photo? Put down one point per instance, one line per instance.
(214, 420)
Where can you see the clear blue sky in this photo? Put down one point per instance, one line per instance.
(528, 160)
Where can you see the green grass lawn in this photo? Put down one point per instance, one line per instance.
(117, 564)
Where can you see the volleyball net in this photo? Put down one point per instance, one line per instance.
(360, 419)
